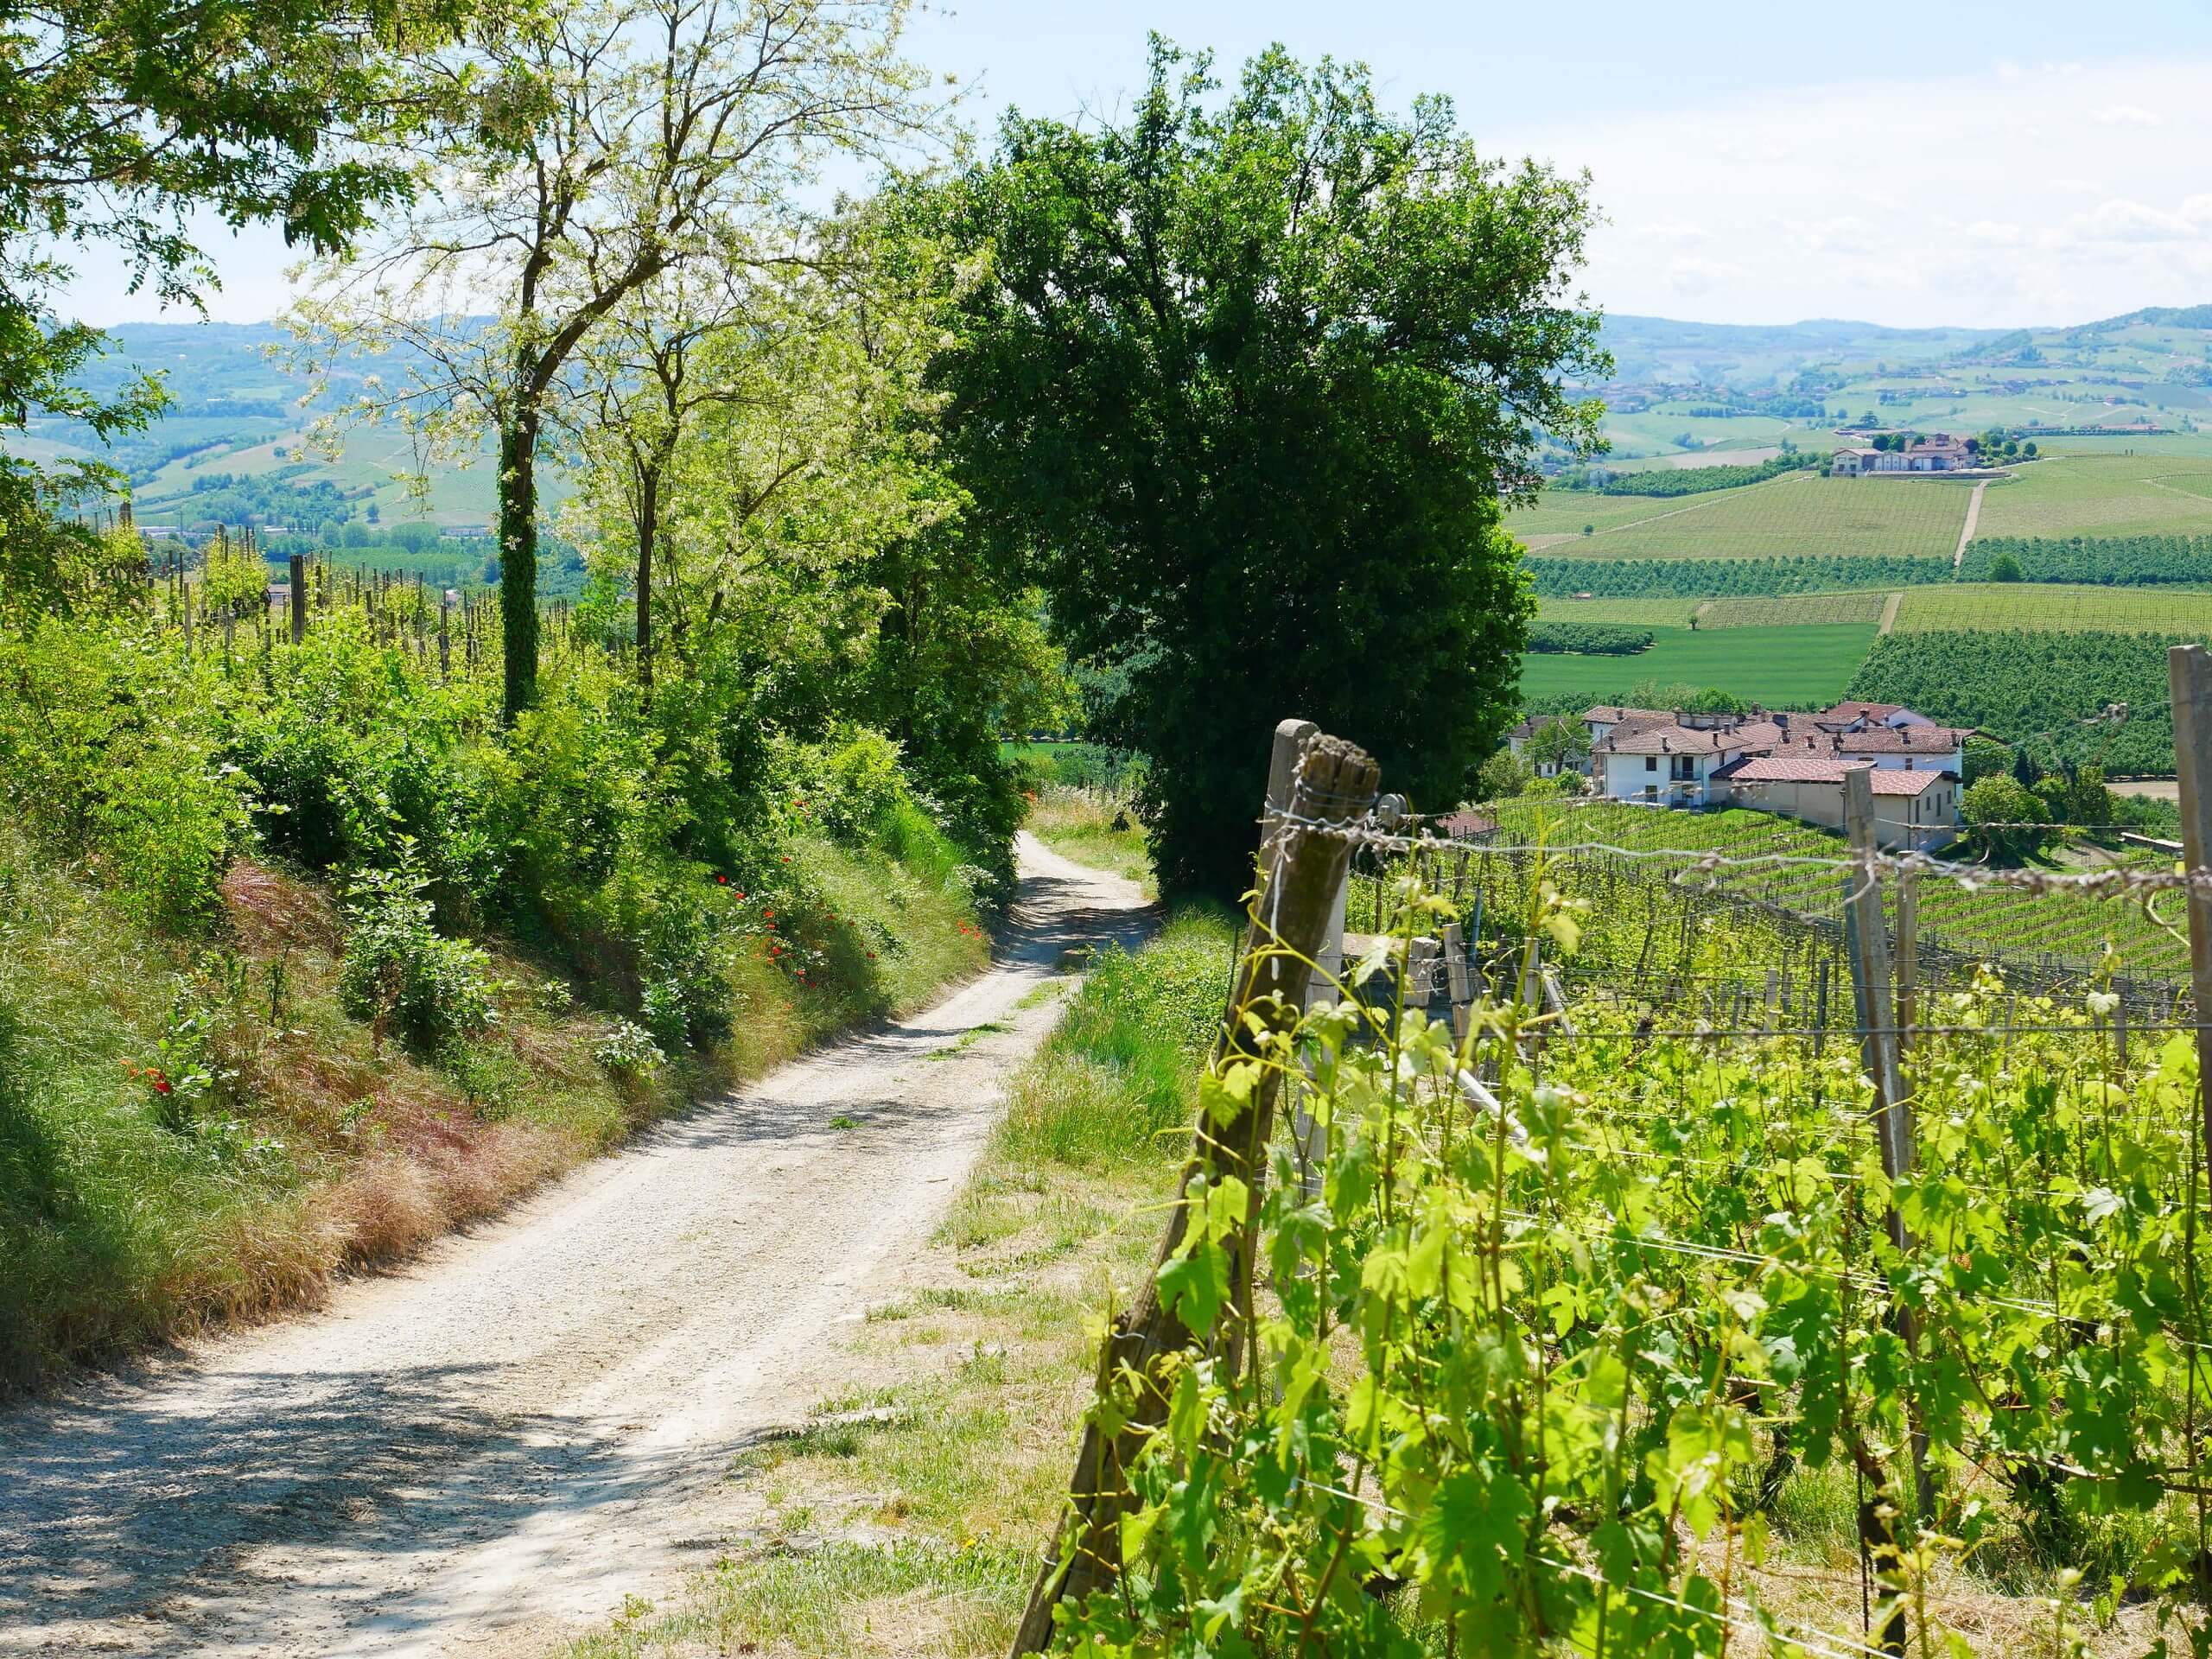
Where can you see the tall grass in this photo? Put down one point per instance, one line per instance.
(1119, 1071)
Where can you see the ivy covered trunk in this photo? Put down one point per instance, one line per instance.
(518, 560)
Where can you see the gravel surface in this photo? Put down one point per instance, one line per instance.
(486, 1451)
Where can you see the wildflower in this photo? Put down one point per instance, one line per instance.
(721, 881)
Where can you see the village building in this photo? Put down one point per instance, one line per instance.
(1792, 764)
(1939, 453)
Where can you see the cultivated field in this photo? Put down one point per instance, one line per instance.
(1782, 667)
(2103, 495)
(1634, 613)
(1792, 610)
(2049, 606)
(1797, 514)
(1561, 514)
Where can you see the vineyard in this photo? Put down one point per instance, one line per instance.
(1801, 516)
(2115, 560)
(1705, 578)
(1634, 612)
(1622, 1319)
(1795, 610)
(1782, 870)
(2051, 607)
(2049, 690)
(2114, 496)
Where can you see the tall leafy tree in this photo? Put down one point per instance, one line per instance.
(1249, 377)
(588, 149)
(118, 119)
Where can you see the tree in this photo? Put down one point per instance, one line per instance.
(585, 149)
(1557, 742)
(2006, 820)
(1984, 758)
(117, 121)
(2005, 567)
(1247, 379)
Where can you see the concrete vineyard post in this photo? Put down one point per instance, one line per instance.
(1313, 781)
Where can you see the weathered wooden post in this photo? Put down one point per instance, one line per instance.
(1303, 864)
(296, 568)
(2189, 678)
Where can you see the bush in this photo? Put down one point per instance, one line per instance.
(399, 973)
(1588, 639)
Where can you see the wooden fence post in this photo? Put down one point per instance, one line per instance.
(2189, 679)
(296, 569)
(1302, 870)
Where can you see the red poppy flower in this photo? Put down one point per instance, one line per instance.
(160, 1084)
(721, 881)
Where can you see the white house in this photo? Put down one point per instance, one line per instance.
(1939, 453)
(1674, 762)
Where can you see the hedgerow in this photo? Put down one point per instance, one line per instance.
(1556, 578)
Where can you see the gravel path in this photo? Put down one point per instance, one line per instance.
(1966, 530)
(489, 1449)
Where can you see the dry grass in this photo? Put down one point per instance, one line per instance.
(1094, 826)
(319, 1150)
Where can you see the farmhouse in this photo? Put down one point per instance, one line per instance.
(1792, 764)
(1941, 453)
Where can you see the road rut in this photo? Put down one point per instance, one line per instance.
(487, 1450)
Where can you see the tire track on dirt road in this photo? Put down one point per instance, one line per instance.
(483, 1452)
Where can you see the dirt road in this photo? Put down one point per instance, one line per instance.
(487, 1450)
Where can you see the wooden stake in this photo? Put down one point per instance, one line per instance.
(296, 569)
(1301, 873)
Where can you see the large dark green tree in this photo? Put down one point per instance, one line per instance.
(1249, 376)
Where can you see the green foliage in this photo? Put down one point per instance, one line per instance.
(399, 973)
(1517, 1354)
(1557, 578)
(1593, 639)
(2053, 693)
(106, 751)
(1984, 757)
(1258, 443)
(2110, 561)
(2006, 820)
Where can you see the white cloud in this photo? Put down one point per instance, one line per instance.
(1884, 201)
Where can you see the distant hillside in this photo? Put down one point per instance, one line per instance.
(1749, 355)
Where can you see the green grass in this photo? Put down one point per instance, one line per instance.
(1561, 513)
(1797, 513)
(2103, 495)
(2055, 605)
(1094, 826)
(1793, 611)
(1782, 667)
(916, 1531)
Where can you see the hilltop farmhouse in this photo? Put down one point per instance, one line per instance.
(1939, 453)
(1787, 763)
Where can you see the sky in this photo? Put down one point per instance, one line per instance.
(1995, 166)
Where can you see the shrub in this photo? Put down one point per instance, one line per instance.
(397, 970)
(1588, 639)
(629, 1050)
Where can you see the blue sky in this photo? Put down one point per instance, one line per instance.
(2037, 162)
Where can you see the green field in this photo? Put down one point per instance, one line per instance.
(371, 457)
(1797, 513)
(1793, 610)
(2054, 606)
(1562, 513)
(1783, 667)
(2101, 495)
(1634, 612)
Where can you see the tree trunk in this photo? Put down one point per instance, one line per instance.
(518, 560)
(648, 527)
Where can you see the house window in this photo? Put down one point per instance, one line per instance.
(1652, 763)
